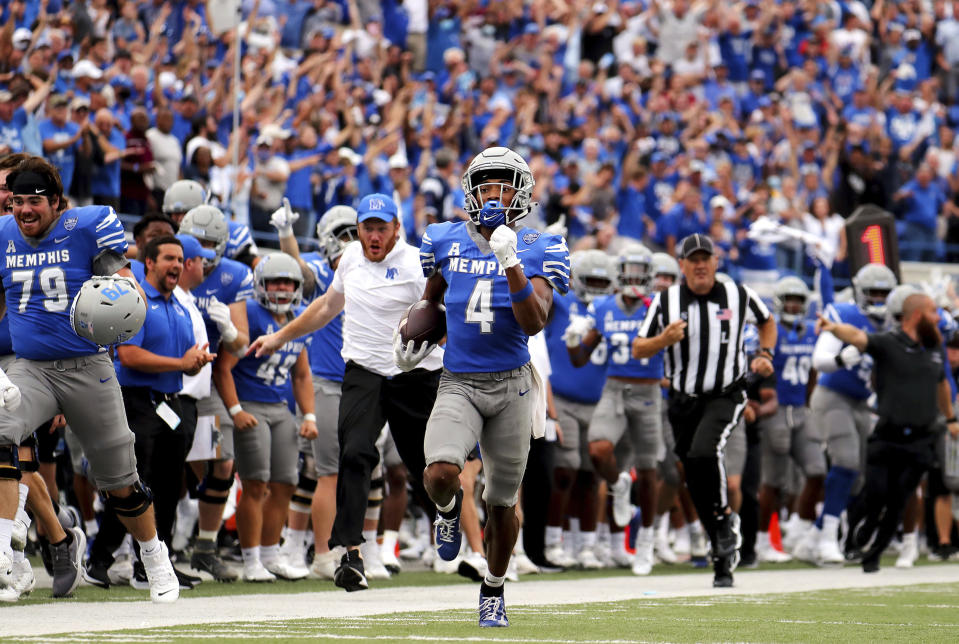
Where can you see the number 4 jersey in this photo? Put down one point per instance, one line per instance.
(482, 333)
(266, 379)
(619, 327)
(41, 278)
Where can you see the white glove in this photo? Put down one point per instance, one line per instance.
(503, 243)
(850, 356)
(558, 227)
(283, 219)
(220, 314)
(579, 326)
(407, 357)
(9, 393)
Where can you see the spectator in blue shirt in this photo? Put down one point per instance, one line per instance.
(61, 139)
(921, 201)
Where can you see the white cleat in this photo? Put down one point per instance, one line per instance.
(556, 556)
(909, 553)
(828, 553)
(622, 508)
(164, 586)
(25, 580)
(512, 572)
(806, 549)
(324, 565)
(120, 571)
(682, 545)
(525, 566)
(587, 560)
(283, 569)
(256, 572)
(18, 535)
(643, 559)
(771, 555)
(663, 552)
(372, 563)
(388, 557)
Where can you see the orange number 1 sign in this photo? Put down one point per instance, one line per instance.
(872, 238)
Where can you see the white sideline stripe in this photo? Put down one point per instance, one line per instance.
(76, 618)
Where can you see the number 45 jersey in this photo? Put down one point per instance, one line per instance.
(41, 278)
(266, 379)
(482, 333)
(792, 362)
(619, 327)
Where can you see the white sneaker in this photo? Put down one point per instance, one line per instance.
(283, 569)
(121, 571)
(372, 563)
(7, 576)
(909, 552)
(556, 556)
(256, 572)
(388, 557)
(807, 548)
(525, 566)
(26, 581)
(643, 559)
(473, 566)
(682, 545)
(18, 535)
(603, 553)
(794, 536)
(164, 586)
(324, 565)
(828, 553)
(663, 552)
(620, 558)
(622, 509)
(512, 573)
(587, 559)
(768, 554)
(446, 567)
(697, 544)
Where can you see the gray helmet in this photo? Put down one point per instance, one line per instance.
(207, 223)
(593, 274)
(663, 264)
(790, 287)
(335, 230)
(632, 270)
(872, 285)
(496, 165)
(107, 310)
(277, 266)
(183, 196)
(897, 297)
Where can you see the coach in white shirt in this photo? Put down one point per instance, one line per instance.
(375, 283)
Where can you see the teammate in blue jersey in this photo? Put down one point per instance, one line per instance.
(265, 438)
(575, 394)
(496, 280)
(50, 252)
(221, 299)
(785, 435)
(839, 407)
(631, 404)
(240, 246)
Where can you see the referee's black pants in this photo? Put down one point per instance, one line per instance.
(368, 401)
(701, 426)
(895, 463)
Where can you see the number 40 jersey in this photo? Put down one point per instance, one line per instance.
(482, 334)
(792, 362)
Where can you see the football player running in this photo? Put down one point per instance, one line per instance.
(496, 280)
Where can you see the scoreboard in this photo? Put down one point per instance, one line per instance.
(871, 239)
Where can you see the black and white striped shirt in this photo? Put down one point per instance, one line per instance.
(710, 356)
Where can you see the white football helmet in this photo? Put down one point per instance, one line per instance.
(872, 285)
(207, 223)
(183, 196)
(897, 297)
(335, 230)
(593, 274)
(277, 266)
(498, 165)
(632, 270)
(790, 287)
(664, 271)
(107, 310)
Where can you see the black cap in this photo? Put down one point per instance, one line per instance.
(695, 243)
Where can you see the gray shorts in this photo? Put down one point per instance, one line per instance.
(636, 409)
(574, 419)
(843, 424)
(86, 391)
(668, 466)
(494, 409)
(785, 440)
(326, 447)
(389, 455)
(77, 460)
(268, 451)
(735, 451)
(213, 406)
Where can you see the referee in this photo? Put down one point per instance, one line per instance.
(698, 324)
(909, 369)
(375, 282)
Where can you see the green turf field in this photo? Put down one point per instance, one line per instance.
(923, 613)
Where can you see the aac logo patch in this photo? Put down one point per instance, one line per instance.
(529, 238)
(226, 278)
(70, 223)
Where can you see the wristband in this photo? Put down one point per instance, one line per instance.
(951, 420)
(768, 350)
(522, 294)
(234, 410)
(311, 417)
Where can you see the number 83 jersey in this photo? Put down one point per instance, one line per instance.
(482, 333)
(619, 327)
(266, 379)
(41, 278)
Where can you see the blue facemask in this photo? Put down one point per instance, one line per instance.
(493, 214)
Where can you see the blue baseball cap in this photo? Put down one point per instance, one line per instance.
(376, 206)
(192, 248)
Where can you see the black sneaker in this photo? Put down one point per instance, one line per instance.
(748, 561)
(722, 572)
(350, 574)
(187, 582)
(728, 537)
(95, 573)
(205, 558)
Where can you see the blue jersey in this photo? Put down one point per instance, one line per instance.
(619, 328)
(856, 382)
(326, 360)
(585, 384)
(138, 269)
(792, 362)
(266, 379)
(40, 281)
(482, 334)
(229, 282)
(239, 239)
(65, 159)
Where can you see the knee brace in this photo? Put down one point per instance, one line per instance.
(30, 464)
(133, 505)
(215, 484)
(305, 486)
(9, 462)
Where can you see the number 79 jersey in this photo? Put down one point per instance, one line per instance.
(482, 333)
(618, 328)
(792, 362)
(41, 279)
(266, 379)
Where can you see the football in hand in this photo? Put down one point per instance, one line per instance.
(425, 322)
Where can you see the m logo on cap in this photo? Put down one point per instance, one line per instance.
(377, 204)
